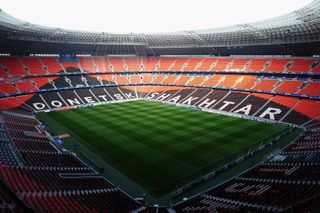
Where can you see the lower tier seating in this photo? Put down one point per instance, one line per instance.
(279, 184)
(48, 179)
(99, 201)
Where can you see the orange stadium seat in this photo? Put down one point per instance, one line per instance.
(310, 108)
(117, 64)
(34, 65)
(179, 64)
(264, 96)
(69, 64)
(135, 79)
(213, 80)
(25, 86)
(277, 65)
(301, 65)
(41, 81)
(109, 78)
(196, 80)
(313, 88)
(289, 86)
(230, 81)
(206, 63)
(266, 84)
(247, 82)
(107, 64)
(52, 64)
(169, 79)
(192, 63)
(239, 64)
(7, 88)
(13, 102)
(13, 65)
(87, 64)
(158, 79)
(122, 79)
(285, 100)
(150, 64)
(182, 79)
(166, 63)
(222, 64)
(147, 78)
(134, 64)
(101, 64)
(257, 65)
(10, 102)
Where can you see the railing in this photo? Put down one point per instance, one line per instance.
(151, 84)
(198, 72)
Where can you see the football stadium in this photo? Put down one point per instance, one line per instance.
(225, 119)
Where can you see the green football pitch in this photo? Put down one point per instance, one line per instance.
(161, 147)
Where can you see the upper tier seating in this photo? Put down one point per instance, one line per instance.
(34, 65)
(13, 66)
(42, 65)
(51, 64)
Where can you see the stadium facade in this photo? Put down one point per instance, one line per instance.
(267, 71)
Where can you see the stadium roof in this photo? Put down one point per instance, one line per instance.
(297, 33)
(142, 16)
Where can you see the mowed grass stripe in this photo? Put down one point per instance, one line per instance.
(87, 120)
(162, 147)
(90, 139)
